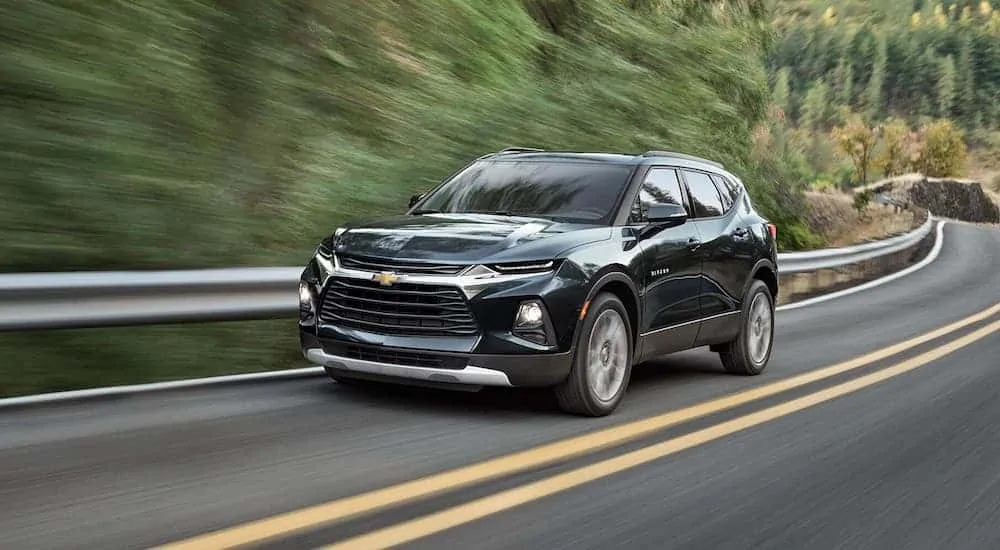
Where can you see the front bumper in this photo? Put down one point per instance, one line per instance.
(470, 375)
(357, 334)
(475, 370)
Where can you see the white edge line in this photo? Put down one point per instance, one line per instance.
(317, 371)
(159, 386)
(935, 251)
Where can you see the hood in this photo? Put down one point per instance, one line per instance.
(465, 238)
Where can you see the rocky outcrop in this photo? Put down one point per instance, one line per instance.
(957, 199)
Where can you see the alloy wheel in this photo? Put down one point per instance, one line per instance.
(607, 355)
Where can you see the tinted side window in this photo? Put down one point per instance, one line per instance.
(661, 186)
(720, 185)
(727, 185)
(705, 198)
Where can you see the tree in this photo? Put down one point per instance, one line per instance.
(965, 86)
(857, 140)
(875, 84)
(946, 86)
(815, 106)
(843, 78)
(942, 149)
(894, 157)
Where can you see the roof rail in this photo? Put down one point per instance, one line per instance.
(521, 150)
(683, 156)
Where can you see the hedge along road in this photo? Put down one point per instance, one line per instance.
(157, 468)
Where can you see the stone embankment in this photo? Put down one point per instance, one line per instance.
(953, 198)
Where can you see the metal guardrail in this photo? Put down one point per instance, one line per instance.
(129, 298)
(120, 298)
(825, 258)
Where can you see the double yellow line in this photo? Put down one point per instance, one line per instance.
(346, 508)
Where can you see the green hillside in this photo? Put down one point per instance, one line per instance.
(193, 133)
(913, 65)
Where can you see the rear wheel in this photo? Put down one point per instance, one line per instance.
(602, 364)
(749, 352)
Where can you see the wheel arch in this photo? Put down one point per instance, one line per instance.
(765, 271)
(624, 288)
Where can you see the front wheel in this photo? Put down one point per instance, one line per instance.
(750, 351)
(602, 364)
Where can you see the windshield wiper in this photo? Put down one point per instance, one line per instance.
(494, 212)
(426, 211)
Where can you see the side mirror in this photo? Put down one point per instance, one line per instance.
(667, 215)
(414, 199)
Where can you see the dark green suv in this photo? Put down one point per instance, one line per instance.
(539, 268)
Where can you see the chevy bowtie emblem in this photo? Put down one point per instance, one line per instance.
(386, 278)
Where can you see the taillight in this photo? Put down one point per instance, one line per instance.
(773, 230)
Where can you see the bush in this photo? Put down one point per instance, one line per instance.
(843, 177)
(942, 150)
(894, 157)
(823, 184)
(862, 200)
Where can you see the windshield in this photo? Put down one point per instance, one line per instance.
(575, 192)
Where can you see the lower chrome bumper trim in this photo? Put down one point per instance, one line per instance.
(471, 375)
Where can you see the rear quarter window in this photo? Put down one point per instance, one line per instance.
(724, 193)
(727, 185)
(706, 201)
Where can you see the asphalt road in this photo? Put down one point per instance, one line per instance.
(912, 461)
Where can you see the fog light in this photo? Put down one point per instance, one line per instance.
(529, 315)
(531, 323)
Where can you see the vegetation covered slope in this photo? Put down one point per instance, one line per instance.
(901, 58)
(189, 133)
(921, 76)
(196, 133)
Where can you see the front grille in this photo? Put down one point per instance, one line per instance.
(396, 357)
(398, 266)
(402, 309)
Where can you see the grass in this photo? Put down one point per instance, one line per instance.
(833, 217)
(61, 360)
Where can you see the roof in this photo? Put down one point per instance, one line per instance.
(649, 157)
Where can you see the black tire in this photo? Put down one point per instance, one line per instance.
(738, 356)
(577, 393)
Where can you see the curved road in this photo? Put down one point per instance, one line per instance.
(894, 450)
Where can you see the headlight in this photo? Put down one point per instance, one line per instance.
(524, 267)
(325, 248)
(326, 264)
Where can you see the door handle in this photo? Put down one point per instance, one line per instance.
(693, 243)
(740, 232)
